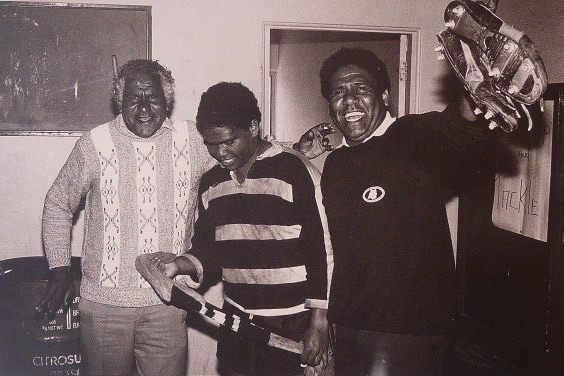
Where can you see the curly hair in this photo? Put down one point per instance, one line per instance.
(353, 56)
(227, 103)
(143, 66)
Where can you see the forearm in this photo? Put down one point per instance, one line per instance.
(61, 202)
(56, 229)
(319, 318)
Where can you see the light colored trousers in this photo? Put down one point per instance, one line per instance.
(151, 340)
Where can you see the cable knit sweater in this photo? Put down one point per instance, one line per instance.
(140, 198)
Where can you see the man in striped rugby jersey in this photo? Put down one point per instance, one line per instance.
(262, 228)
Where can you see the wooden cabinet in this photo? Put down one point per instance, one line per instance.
(511, 287)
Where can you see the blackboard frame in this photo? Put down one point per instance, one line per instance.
(70, 91)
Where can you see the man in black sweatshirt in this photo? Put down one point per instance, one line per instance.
(393, 292)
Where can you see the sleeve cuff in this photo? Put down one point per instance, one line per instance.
(316, 303)
(59, 259)
(199, 270)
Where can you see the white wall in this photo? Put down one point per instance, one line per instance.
(543, 22)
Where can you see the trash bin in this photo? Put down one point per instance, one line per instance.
(29, 345)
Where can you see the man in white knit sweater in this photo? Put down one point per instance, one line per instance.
(139, 174)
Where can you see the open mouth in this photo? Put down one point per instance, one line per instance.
(227, 161)
(354, 116)
(144, 119)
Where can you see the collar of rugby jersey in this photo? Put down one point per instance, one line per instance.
(271, 151)
(388, 120)
(168, 124)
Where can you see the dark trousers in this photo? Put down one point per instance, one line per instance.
(240, 355)
(365, 352)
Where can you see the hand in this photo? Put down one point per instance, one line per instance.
(316, 340)
(166, 262)
(314, 142)
(314, 371)
(58, 294)
(492, 4)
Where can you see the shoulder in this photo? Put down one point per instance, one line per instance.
(416, 130)
(103, 134)
(293, 157)
(337, 155)
(92, 140)
(406, 122)
(187, 129)
(291, 166)
(197, 149)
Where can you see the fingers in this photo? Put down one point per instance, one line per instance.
(314, 142)
(50, 308)
(314, 370)
(41, 309)
(317, 359)
(326, 145)
(312, 355)
(58, 293)
(310, 135)
(165, 257)
(307, 356)
(44, 312)
(324, 129)
(320, 130)
(148, 266)
(155, 262)
(310, 371)
(69, 294)
(324, 359)
(492, 4)
(164, 262)
(50, 304)
(158, 264)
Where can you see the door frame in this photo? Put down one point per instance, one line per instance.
(413, 77)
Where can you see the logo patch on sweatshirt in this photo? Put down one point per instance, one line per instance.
(373, 194)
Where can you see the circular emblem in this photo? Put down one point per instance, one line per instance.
(373, 194)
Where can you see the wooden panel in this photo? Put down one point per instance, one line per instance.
(510, 297)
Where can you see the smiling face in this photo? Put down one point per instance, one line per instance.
(356, 104)
(143, 104)
(231, 146)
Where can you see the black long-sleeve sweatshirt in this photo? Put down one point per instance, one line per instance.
(385, 203)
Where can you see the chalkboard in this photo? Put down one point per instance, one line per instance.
(56, 65)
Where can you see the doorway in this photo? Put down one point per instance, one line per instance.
(294, 53)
